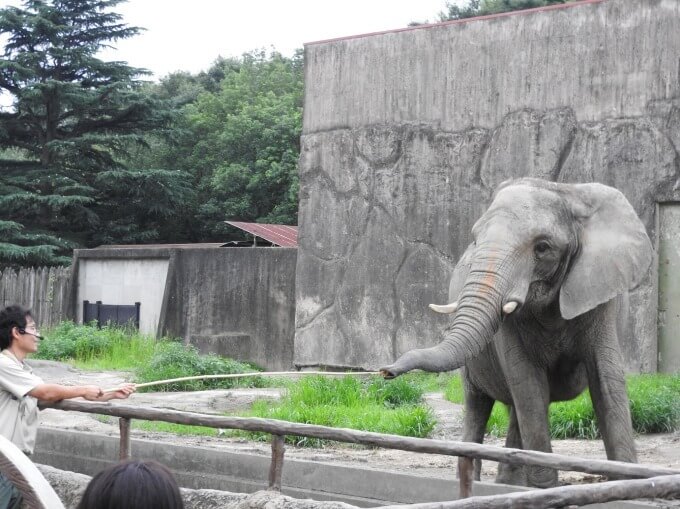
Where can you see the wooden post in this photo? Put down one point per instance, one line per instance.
(124, 450)
(276, 468)
(465, 472)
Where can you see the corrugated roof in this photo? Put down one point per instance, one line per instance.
(278, 234)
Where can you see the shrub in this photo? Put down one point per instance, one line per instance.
(176, 360)
(90, 347)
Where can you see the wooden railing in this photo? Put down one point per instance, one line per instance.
(657, 482)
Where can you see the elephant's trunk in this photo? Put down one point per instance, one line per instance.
(477, 318)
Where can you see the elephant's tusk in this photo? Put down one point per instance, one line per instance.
(509, 307)
(447, 309)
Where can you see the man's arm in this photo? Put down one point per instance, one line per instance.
(56, 392)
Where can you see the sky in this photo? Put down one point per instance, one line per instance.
(188, 35)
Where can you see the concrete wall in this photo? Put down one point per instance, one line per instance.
(124, 282)
(406, 134)
(237, 302)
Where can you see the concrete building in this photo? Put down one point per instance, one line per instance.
(237, 302)
(407, 133)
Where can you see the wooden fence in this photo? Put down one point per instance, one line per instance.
(45, 290)
(656, 483)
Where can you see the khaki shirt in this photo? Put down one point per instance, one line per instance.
(18, 411)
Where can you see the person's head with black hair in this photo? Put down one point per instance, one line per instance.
(12, 317)
(133, 485)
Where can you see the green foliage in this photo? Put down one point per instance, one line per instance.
(654, 406)
(655, 403)
(140, 205)
(350, 402)
(120, 348)
(175, 360)
(175, 429)
(238, 137)
(74, 116)
(454, 390)
(97, 349)
(573, 419)
(485, 7)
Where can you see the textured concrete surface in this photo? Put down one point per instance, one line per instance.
(70, 487)
(406, 135)
(237, 302)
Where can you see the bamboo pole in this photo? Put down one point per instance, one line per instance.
(245, 375)
(421, 445)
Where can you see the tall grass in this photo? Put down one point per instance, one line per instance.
(91, 348)
(393, 407)
(176, 360)
(654, 404)
(124, 349)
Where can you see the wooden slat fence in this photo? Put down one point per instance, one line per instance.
(45, 290)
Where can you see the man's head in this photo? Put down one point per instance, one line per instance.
(14, 322)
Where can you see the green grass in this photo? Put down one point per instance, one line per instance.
(393, 407)
(123, 349)
(90, 348)
(176, 360)
(654, 404)
(175, 429)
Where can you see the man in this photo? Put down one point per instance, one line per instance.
(20, 389)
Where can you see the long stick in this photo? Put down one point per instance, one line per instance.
(243, 375)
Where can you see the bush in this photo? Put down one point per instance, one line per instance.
(349, 402)
(175, 360)
(90, 347)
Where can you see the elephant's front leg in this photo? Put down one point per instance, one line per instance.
(530, 392)
(607, 384)
(507, 473)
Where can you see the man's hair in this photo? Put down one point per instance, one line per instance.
(10, 317)
(133, 485)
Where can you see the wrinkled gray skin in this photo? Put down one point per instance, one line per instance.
(563, 252)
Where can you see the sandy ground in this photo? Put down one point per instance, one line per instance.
(660, 449)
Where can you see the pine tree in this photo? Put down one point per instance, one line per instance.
(73, 120)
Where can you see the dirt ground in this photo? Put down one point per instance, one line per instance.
(659, 449)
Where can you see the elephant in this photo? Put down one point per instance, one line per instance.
(535, 297)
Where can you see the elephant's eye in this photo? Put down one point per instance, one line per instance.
(541, 247)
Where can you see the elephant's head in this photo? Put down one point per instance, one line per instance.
(552, 250)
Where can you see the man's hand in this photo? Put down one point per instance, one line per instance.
(91, 392)
(122, 392)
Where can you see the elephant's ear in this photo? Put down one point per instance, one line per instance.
(460, 273)
(614, 253)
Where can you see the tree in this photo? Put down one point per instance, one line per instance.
(484, 7)
(74, 119)
(240, 140)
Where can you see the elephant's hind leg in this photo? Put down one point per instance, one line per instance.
(477, 411)
(507, 473)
